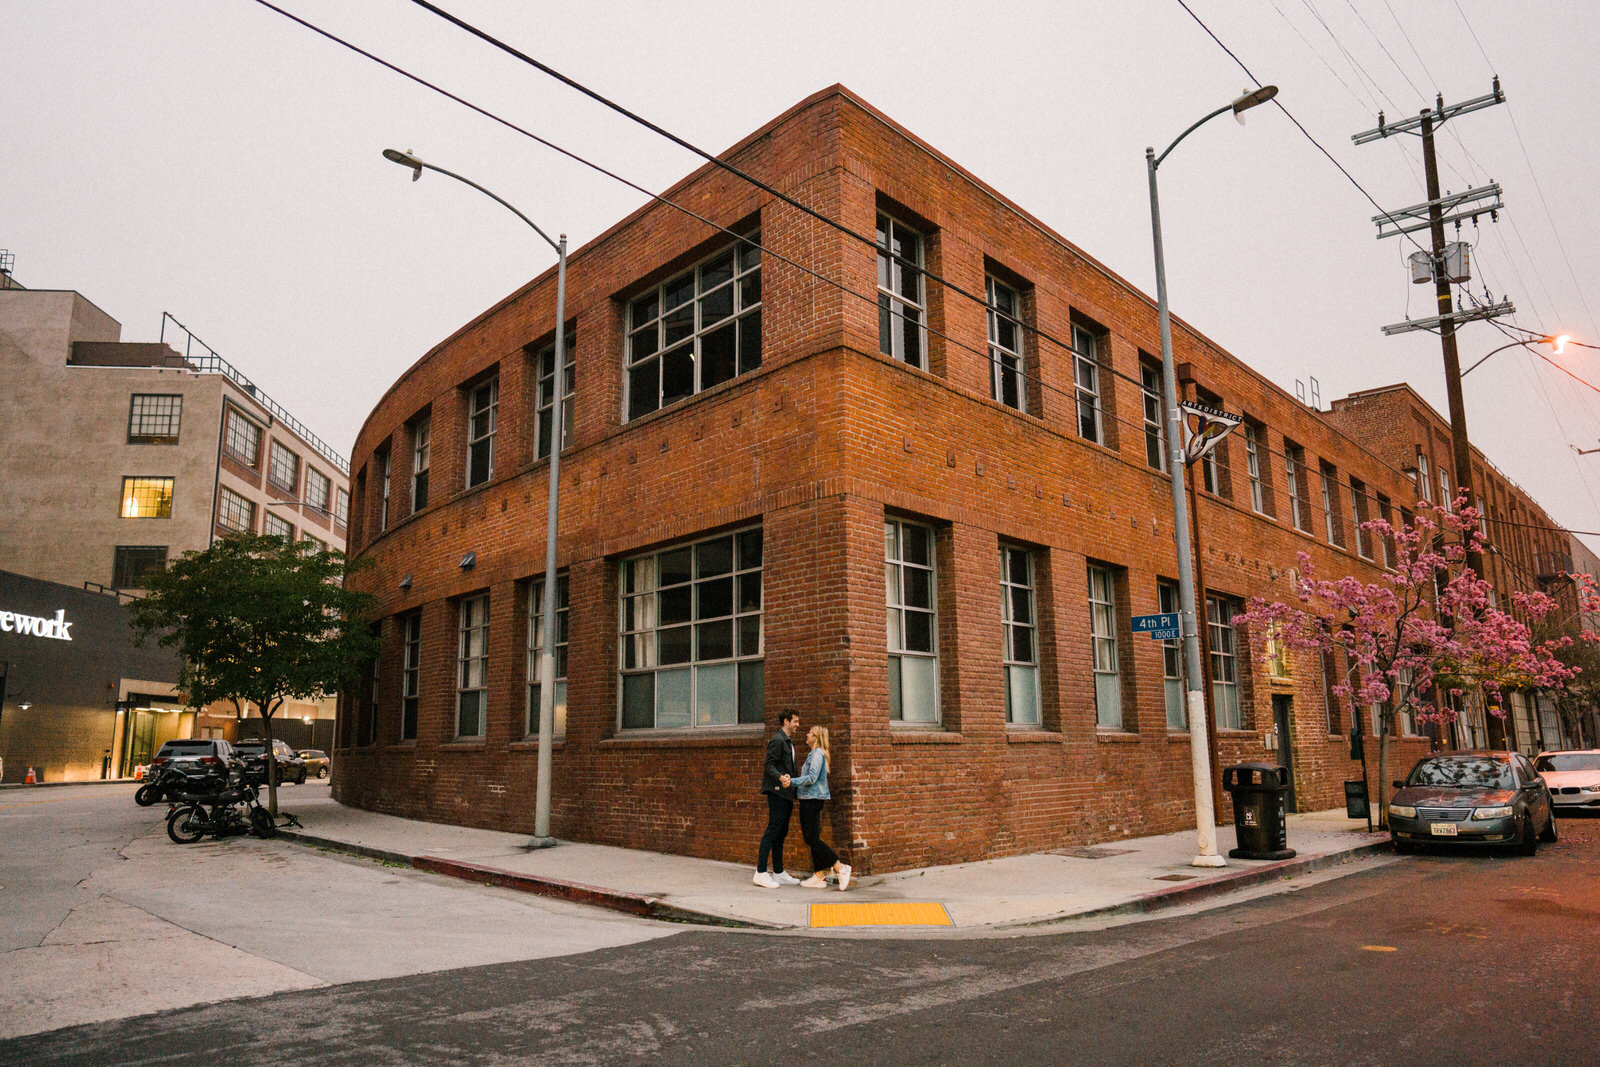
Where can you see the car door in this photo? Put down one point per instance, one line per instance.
(1538, 793)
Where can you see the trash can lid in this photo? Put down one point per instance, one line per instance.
(1253, 776)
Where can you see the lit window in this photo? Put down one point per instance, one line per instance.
(283, 468)
(242, 439)
(1224, 663)
(547, 384)
(153, 418)
(691, 635)
(1021, 654)
(913, 642)
(421, 439)
(1155, 434)
(536, 650)
(699, 329)
(472, 667)
(1103, 637)
(1086, 377)
(482, 410)
(234, 512)
(410, 674)
(1007, 374)
(1172, 664)
(901, 311)
(147, 498)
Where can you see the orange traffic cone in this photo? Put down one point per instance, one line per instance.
(32, 779)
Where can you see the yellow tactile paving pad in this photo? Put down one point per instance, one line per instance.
(880, 914)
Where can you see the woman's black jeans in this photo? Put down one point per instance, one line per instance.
(822, 857)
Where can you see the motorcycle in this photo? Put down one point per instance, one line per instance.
(236, 811)
(170, 781)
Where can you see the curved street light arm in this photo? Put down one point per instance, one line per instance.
(417, 166)
(1185, 133)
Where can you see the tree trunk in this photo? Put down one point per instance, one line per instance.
(1383, 774)
(272, 760)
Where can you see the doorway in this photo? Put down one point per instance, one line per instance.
(1282, 715)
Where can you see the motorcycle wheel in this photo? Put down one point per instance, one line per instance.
(186, 824)
(147, 795)
(261, 822)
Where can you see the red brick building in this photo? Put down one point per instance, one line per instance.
(915, 498)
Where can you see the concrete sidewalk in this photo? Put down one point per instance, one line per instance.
(1138, 875)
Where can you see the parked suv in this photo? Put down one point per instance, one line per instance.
(316, 761)
(203, 761)
(253, 750)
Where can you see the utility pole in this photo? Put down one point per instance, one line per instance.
(1432, 215)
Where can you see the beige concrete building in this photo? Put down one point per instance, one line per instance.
(116, 457)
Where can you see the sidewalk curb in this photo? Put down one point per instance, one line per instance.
(1188, 894)
(636, 904)
(87, 781)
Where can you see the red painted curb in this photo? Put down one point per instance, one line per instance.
(574, 892)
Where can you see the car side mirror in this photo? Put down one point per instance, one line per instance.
(1399, 784)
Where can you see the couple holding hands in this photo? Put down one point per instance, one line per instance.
(784, 786)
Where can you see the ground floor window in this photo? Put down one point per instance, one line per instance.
(1172, 664)
(410, 673)
(1224, 663)
(913, 645)
(1103, 638)
(536, 652)
(472, 662)
(691, 642)
(1021, 655)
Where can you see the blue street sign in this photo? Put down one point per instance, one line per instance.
(1148, 623)
(1164, 635)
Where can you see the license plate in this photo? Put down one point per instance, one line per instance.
(1443, 829)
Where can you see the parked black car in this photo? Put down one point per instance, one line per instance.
(316, 762)
(195, 765)
(1472, 798)
(252, 750)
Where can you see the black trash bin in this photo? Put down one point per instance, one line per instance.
(1259, 823)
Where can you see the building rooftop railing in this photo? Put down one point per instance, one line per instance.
(211, 362)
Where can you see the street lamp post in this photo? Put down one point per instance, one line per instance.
(547, 651)
(1195, 702)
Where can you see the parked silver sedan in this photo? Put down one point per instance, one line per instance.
(1472, 798)
(1573, 778)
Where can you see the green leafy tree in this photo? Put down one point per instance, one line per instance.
(259, 620)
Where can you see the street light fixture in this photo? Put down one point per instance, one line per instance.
(1195, 702)
(1558, 343)
(547, 652)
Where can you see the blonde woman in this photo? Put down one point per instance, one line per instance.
(812, 784)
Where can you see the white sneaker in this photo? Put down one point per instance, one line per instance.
(844, 877)
(765, 880)
(785, 878)
(816, 881)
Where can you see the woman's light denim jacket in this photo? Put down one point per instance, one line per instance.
(812, 781)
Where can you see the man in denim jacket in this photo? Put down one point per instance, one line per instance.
(777, 770)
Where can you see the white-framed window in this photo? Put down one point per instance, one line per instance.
(153, 418)
(1330, 702)
(536, 651)
(902, 313)
(421, 456)
(235, 512)
(691, 621)
(1483, 517)
(1252, 454)
(1155, 432)
(341, 507)
(547, 385)
(318, 486)
(1224, 662)
(1359, 513)
(147, 498)
(410, 673)
(283, 468)
(1424, 479)
(911, 596)
(1018, 617)
(1330, 503)
(316, 542)
(1294, 459)
(1103, 638)
(241, 439)
(1086, 381)
(1008, 380)
(274, 525)
(1172, 663)
(1386, 513)
(1447, 492)
(1407, 709)
(472, 667)
(483, 408)
(383, 501)
(699, 329)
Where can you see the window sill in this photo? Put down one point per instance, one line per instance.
(1032, 736)
(463, 744)
(1241, 732)
(531, 744)
(1116, 737)
(900, 735)
(410, 742)
(688, 737)
(1178, 738)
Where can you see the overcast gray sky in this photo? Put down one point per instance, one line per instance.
(214, 160)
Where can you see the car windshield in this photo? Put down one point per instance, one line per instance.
(1569, 761)
(1465, 772)
(185, 748)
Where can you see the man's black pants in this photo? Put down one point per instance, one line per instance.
(779, 809)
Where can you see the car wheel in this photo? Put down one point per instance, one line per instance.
(322, 772)
(1549, 835)
(1401, 847)
(1527, 840)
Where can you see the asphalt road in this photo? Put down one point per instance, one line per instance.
(1436, 959)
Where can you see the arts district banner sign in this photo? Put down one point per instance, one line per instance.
(57, 628)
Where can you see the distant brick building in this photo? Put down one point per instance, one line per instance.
(921, 519)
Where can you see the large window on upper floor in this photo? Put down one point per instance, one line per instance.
(547, 385)
(241, 439)
(421, 457)
(153, 418)
(147, 498)
(318, 489)
(1008, 380)
(283, 468)
(1295, 477)
(902, 307)
(483, 408)
(691, 635)
(700, 329)
(1086, 380)
(1155, 433)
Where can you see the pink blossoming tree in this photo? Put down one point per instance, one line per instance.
(1423, 630)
